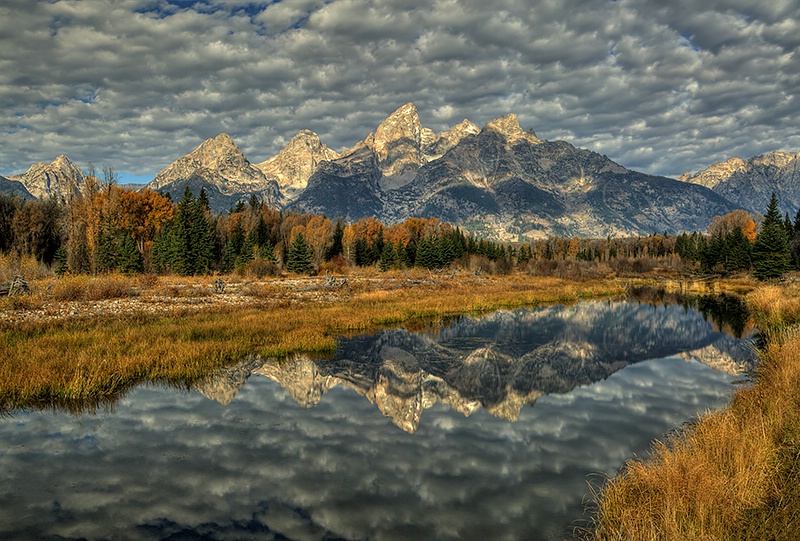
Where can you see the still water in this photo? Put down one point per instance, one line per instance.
(489, 428)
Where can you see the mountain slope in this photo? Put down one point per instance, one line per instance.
(61, 179)
(296, 162)
(509, 183)
(221, 167)
(750, 183)
(347, 187)
(14, 187)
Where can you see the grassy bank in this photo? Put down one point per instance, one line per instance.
(736, 473)
(69, 363)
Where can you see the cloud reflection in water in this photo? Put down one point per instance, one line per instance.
(266, 466)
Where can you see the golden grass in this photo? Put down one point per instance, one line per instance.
(66, 362)
(735, 474)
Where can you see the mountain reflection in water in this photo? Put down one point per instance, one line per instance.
(173, 465)
(503, 361)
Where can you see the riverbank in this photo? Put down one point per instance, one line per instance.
(81, 340)
(736, 473)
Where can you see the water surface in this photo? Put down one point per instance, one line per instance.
(487, 429)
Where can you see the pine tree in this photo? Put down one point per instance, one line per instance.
(179, 255)
(247, 252)
(106, 256)
(388, 256)
(161, 248)
(233, 248)
(771, 250)
(60, 261)
(201, 237)
(427, 255)
(362, 251)
(738, 251)
(299, 258)
(130, 259)
(336, 247)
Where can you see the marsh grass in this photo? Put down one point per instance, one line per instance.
(734, 474)
(73, 361)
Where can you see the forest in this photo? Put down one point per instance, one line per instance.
(108, 228)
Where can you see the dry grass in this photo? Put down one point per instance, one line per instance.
(67, 362)
(735, 474)
(27, 266)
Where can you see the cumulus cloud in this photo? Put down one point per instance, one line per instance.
(662, 87)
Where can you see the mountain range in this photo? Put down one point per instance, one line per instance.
(499, 181)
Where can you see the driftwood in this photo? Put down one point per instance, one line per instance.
(17, 286)
(331, 282)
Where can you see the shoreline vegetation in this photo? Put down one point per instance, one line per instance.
(735, 473)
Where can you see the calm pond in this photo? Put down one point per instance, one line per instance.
(489, 428)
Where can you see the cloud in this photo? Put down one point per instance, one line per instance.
(659, 87)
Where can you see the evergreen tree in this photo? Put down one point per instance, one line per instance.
(233, 248)
(771, 250)
(401, 256)
(202, 198)
(130, 259)
(201, 237)
(247, 252)
(376, 249)
(161, 248)
(336, 246)
(299, 258)
(794, 242)
(180, 252)
(525, 254)
(446, 251)
(363, 253)
(60, 261)
(738, 251)
(106, 256)
(427, 253)
(388, 257)
(267, 251)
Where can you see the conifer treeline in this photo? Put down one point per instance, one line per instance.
(108, 228)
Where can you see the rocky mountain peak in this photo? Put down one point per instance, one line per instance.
(750, 183)
(217, 160)
(398, 141)
(61, 178)
(450, 138)
(508, 126)
(219, 166)
(715, 173)
(297, 161)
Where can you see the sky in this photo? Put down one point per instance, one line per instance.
(662, 87)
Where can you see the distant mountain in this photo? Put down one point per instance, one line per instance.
(61, 179)
(221, 168)
(296, 162)
(14, 187)
(749, 184)
(500, 181)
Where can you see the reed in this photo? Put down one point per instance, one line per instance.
(72, 361)
(735, 473)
